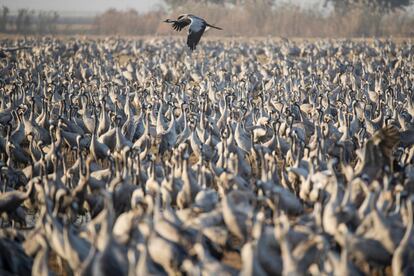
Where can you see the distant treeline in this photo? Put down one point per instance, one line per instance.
(28, 22)
(128, 22)
(237, 17)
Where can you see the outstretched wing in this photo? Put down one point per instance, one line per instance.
(195, 32)
(181, 23)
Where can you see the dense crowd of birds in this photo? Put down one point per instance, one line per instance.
(133, 157)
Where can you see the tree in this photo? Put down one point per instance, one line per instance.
(19, 20)
(27, 22)
(4, 19)
(384, 6)
(47, 22)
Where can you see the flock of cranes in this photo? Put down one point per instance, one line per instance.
(129, 157)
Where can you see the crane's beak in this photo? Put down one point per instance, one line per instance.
(167, 21)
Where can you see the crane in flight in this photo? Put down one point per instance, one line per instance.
(196, 29)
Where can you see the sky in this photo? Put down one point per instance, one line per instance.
(101, 5)
(81, 6)
(89, 7)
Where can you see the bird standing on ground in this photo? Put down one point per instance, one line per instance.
(196, 29)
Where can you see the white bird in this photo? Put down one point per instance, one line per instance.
(196, 29)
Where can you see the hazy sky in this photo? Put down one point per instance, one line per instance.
(96, 6)
(102, 5)
(80, 5)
